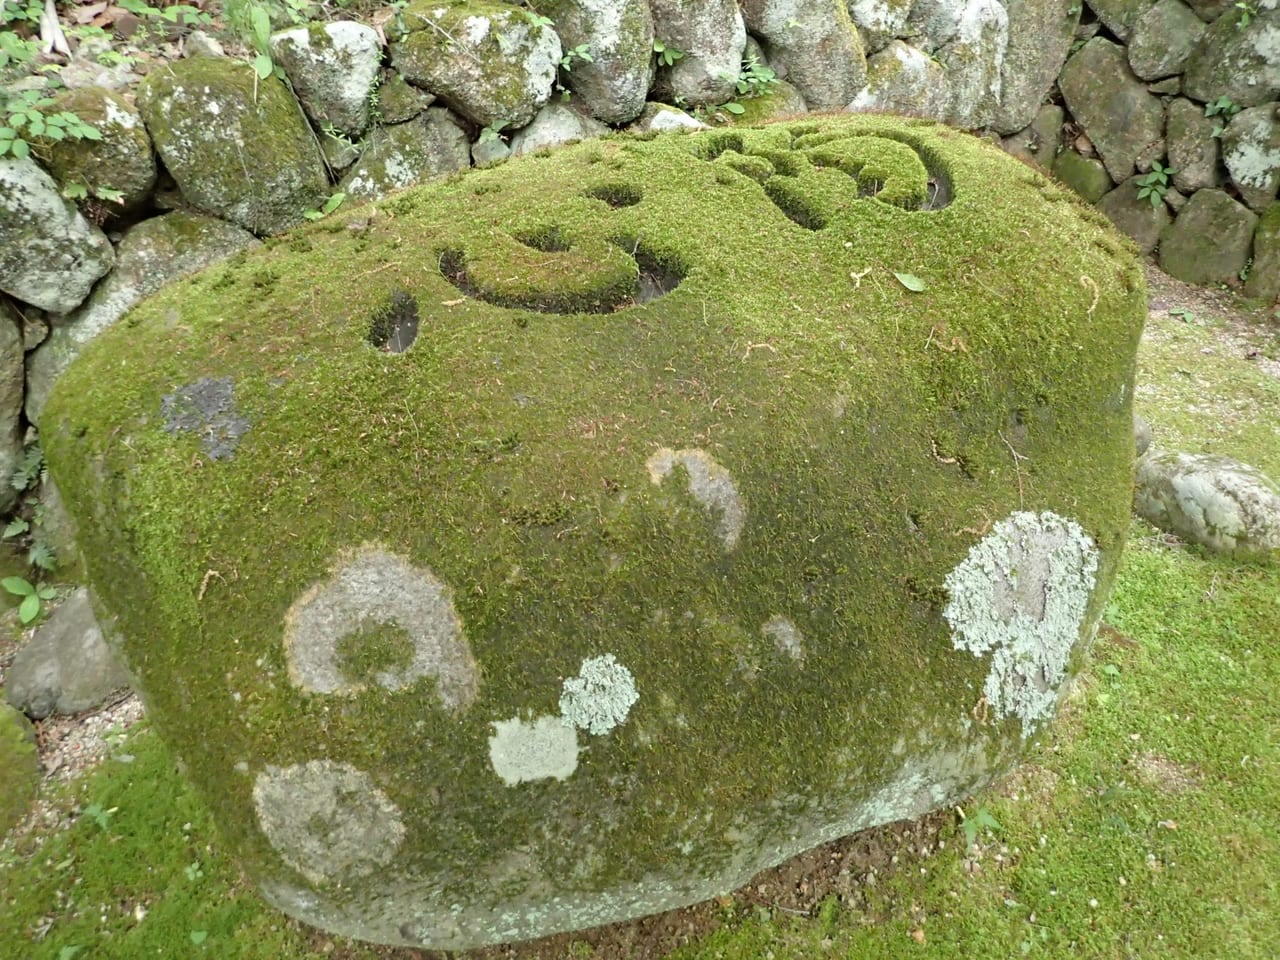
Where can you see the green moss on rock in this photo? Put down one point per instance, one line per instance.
(122, 161)
(673, 564)
(238, 147)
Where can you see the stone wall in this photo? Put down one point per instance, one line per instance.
(1164, 114)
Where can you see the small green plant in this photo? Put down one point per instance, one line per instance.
(193, 871)
(980, 820)
(1225, 108)
(33, 596)
(538, 20)
(581, 52)
(27, 115)
(330, 205)
(99, 815)
(1247, 11)
(260, 35)
(493, 132)
(756, 79)
(82, 191)
(1155, 184)
(666, 54)
(19, 34)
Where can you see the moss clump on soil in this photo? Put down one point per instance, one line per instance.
(19, 766)
(871, 435)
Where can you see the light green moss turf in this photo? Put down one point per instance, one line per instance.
(19, 767)
(870, 430)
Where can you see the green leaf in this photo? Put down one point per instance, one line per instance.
(15, 526)
(263, 66)
(735, 108)
(333, 203)
(20, 149)
(910, 281)
(17, 586)
(260, 25)
(29, 609)
(66, 953)
(198, 936)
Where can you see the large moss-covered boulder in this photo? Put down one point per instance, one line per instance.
(568, 540)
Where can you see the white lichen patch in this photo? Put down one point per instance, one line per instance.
(327, 820)
(1021, 594)
(545, 748)
(373, 586)
(600, 696)
(709, 483)
(785, 637)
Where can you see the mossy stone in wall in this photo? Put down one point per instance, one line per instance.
(603, 527)
(238, 147)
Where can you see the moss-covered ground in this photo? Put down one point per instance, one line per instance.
(1145, 823)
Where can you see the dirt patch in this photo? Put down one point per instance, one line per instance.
(847, 869)
(1166, 775)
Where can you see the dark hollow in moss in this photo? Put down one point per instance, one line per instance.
(616, 195)
(394, 326)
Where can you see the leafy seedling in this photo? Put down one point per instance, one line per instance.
(667, 55)
(975, 824)
(330, 205)
(33, 597)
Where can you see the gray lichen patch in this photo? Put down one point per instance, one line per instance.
(1022, 592)
(545, 748)
(600, 696)
(709, 483)
(206, 407)
(327, 820)
(785, 637)
(371, 588)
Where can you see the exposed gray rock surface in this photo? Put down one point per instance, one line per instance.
(904, 79)
(712, 36)
(409, 153)
(1264, 275)
(1112, 105)
(619, 33)
(1210, 240)
(332, 67)
(153, 253)
(66, 667)
(1163, 39)
(1040, 35)
(973, 59)
(50, 255)
(12, 382)
(1242, 63)
(879, 21)
(1222, 504)
(487, 61)
(555, 124)
(1193, 150)
(1119, 16)
(815, 43)
(1136, 217)
(1251, 152)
